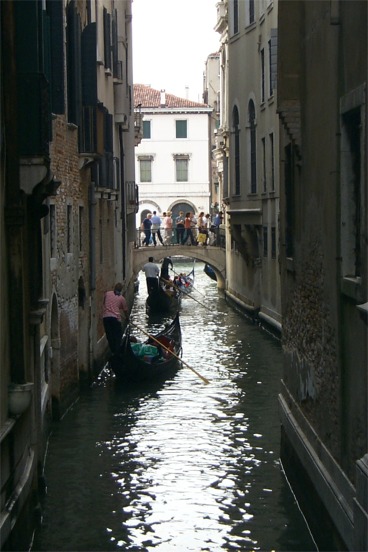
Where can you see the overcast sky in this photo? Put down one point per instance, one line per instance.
(171, 42)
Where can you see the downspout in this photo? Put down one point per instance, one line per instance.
(92, 236)
(122, 203)
(92, 268)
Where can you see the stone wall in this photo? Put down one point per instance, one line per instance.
(309, 342)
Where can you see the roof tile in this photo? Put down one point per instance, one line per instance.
(149, 97)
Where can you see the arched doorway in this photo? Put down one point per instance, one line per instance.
(144, 214)
(184, 206)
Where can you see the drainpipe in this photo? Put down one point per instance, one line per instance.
(92, 268)
(122, 203)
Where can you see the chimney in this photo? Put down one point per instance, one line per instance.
(162, 98)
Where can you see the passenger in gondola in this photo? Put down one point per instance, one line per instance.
(170, 290)
(146, 351)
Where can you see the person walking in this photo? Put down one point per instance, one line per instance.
(113, 304)
(167, 224)
(193, 225)
(180, 228)
(152, 273)
(146, 227)
(217, 221)
(188, 229)
(155, 229)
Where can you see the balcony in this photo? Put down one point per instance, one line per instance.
(138, 127)
(222, 22)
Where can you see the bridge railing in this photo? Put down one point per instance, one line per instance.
(216, 237)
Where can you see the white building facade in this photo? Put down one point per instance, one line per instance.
(173, 159)
(247, 152)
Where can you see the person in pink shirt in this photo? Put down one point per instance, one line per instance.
(113, 304)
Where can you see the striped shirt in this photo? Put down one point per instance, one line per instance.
(113, 304)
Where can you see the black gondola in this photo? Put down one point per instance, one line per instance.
(210, 272)
(127, 366)
(161, 300)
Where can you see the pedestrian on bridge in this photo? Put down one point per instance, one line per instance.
(188, 224)
(155, 229)
(167, 224)
(146, 227)
(180, 228)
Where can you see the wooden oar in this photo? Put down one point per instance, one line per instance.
(171, 352)
(186, 295)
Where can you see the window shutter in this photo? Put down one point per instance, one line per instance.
(273, 59)
(55, 11)
(89, 61)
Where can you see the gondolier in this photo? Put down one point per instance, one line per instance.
(152, 273)
(113, 304)
(165, 268)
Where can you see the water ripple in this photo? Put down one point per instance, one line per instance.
(184, 466)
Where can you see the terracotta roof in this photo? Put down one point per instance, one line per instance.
(149, 97)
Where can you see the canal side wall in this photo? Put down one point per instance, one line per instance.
(322, 102)
(267, 322)
(65, 224)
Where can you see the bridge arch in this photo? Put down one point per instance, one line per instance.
(213, 256)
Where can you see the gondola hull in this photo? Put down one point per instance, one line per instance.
(130, 368)
(159, 301)
(210, 272)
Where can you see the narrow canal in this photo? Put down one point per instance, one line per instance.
(183, 466)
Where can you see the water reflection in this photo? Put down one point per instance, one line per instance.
(183, 465)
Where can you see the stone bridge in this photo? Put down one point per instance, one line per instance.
(212, 255)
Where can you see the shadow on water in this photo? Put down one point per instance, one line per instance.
(178, 465)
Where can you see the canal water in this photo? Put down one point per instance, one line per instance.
(183, 465)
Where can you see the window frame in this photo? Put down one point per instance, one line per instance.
(181, 166)
(145, 168)
(352, 190)
(178, 124)
(147, 125)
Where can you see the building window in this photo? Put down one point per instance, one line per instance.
(352, 182)
(272, 53)
(181, 169)
(101, 241)
(236, 16)
(264, 170)
(265, 241)
(107, 38)
(181, 129)
(289, 199)
(69, 225)
(52, 215)
(262, 76)
(253, 143)
(147, 130)
(272, 153)
(270, 67)
(81, 221)
(236, 150)
(273, 242)
(251, 11)
(145, 169)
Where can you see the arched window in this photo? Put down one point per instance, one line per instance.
(236, 150)
(252, 153)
